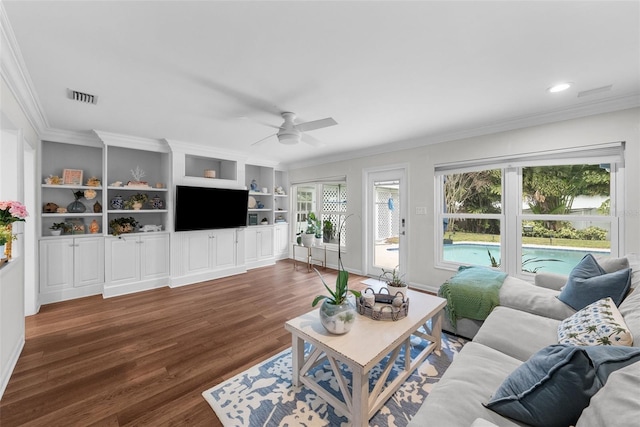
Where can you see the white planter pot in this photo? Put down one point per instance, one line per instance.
(56, 232)
(393, 290)
(307, 240)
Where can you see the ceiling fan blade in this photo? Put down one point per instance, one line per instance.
(263, 139)
(259, 122)
(311, 140)
(316, 124)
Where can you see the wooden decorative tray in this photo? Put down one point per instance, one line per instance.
(384, 307)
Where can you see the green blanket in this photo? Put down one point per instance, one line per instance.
(472, 293)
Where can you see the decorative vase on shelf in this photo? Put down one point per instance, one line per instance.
(117, 203)
(337, 319)
(156, 202)
(76, 207)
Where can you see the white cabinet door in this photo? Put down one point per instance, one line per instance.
(265, 242)
(154, 256)
(197, 251)
(251, 244)
(123, 259)
(56, 265)
(224, 250)
(281, 241)
(88, 265)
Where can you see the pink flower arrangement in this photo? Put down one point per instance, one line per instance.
(12, 211)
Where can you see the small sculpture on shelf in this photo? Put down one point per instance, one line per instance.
(50, 208)
(93, 182)
(279, 191)
(53, 180)
(254, 186)
(94, 227)
(137, 175)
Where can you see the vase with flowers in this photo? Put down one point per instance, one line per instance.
(10, 212)
(77, 206)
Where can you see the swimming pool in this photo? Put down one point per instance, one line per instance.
(476, 253)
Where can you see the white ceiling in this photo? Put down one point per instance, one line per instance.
(389, 72)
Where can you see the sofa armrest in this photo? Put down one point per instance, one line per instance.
(550, 280)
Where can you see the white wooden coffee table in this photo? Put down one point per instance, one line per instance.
(363, 347)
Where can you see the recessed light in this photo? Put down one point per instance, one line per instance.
(559, 87)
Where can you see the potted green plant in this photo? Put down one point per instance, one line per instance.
(327, 231)
(59, 227)
(310, 232)
(136, 201)
(394, 280)
(337, 312)
(123, 225)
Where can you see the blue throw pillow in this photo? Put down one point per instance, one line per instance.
(588, 283)
(554, 386)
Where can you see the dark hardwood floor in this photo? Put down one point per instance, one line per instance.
(145, 359)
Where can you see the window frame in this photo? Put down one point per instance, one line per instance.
(512, 214)
(317, 207)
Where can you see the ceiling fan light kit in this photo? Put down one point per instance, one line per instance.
(290, 133)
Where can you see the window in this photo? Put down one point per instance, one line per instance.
(330, 211)
(538, 213)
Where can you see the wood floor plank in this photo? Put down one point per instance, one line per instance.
(145, 358)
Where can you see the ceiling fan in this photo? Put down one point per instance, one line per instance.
(290, 132)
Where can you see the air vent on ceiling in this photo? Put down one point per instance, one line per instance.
(82, 97)
(594, 91)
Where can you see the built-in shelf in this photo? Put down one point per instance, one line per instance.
(197, 166)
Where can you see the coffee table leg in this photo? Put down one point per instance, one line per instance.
(436, 328)
(297, 358)
(360, 396)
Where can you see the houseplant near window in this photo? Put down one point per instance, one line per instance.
(394, 280)
(337, 312)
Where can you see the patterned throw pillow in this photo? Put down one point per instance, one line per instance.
(599, 323)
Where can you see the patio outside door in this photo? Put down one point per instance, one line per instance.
(386, 223)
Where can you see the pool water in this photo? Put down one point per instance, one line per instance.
(476, 254)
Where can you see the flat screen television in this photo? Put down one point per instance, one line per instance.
(204, 208)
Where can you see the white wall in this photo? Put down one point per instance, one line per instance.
(617, 126)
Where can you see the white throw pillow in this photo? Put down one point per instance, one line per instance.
(599, 323)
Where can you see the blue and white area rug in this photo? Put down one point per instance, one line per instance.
(264, 396)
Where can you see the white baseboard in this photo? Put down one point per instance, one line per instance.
(203, 277)
(110, 291)
(11, 365)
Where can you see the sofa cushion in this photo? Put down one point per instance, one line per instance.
(616, 404)
(517, 333)
(554, 386)
(588, 282)
(630, 310)
(521, 295)
(456, 400)
(599, 323)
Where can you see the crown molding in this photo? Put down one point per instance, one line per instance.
(15, 75)
(128, 141)
(603, 106)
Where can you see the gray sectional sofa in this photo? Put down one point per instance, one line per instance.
(525, 322)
